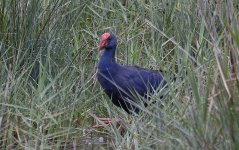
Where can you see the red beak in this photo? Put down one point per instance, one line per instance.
(102, 45)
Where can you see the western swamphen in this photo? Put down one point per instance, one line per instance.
(125, 85)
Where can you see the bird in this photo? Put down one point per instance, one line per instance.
(125, 85)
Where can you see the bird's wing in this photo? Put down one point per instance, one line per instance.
(140, 80)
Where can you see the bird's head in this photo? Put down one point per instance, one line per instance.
(108, 40)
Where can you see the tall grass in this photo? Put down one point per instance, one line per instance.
(48, 62)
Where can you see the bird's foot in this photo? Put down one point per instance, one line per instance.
(106, 121)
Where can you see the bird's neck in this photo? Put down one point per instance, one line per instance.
(107, 59)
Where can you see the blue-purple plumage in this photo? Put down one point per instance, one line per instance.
(123, 84)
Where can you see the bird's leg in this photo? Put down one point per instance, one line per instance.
(107, 121)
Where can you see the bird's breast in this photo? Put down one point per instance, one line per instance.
(105, 78)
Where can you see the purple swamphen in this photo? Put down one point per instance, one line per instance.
(125, 85)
